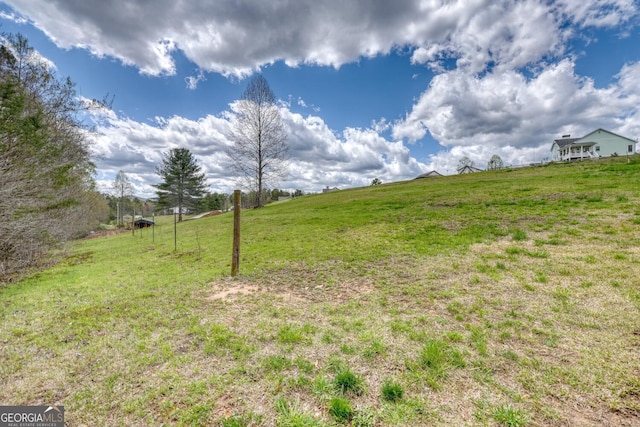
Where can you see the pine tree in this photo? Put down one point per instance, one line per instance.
(183, 184)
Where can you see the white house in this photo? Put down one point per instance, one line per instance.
(176, 210)
(599, 143)
(328, 190)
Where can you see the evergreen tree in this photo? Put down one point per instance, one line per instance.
(183, 181)
(214, 202)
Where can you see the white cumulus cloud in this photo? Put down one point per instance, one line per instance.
(509, 112)
(505, 77)
(318, 157)
(238, 37)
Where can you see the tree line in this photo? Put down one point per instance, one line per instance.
(122, 202)
(48, 193)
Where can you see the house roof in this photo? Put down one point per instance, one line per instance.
(431, 174)
(468, 169)
(609, 132)
(582, 143)
(564, 142)
(144, 221)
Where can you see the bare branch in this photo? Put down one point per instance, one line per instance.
(260, 151)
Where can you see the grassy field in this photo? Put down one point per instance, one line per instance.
(505, 298)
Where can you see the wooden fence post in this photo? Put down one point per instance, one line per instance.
(235, 256)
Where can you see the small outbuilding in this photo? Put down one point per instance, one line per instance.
(468, 169)
(432, 174)
(143, 223)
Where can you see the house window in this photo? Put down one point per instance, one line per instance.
(597, 148)
(630, 148)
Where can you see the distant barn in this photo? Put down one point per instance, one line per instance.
(468, 169)
(143, 223)
(432, 174)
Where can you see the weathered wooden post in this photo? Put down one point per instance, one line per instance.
(235, 255)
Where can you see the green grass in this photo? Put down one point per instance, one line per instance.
(348, 382)
(341, 409)
(510, 417)
(392, 391)
(505, 298)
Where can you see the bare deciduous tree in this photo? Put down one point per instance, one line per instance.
(495, 163)
(464, 162)
(47, 192)
(123, 189)
(259, 152)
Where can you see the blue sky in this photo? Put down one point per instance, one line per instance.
(367, 88)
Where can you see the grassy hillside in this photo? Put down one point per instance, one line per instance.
(499, 298)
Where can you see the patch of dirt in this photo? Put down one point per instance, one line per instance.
(235, 290)
(224, 407)
(313, 292)
(583, 415)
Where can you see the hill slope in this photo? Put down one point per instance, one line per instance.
(497, 298)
